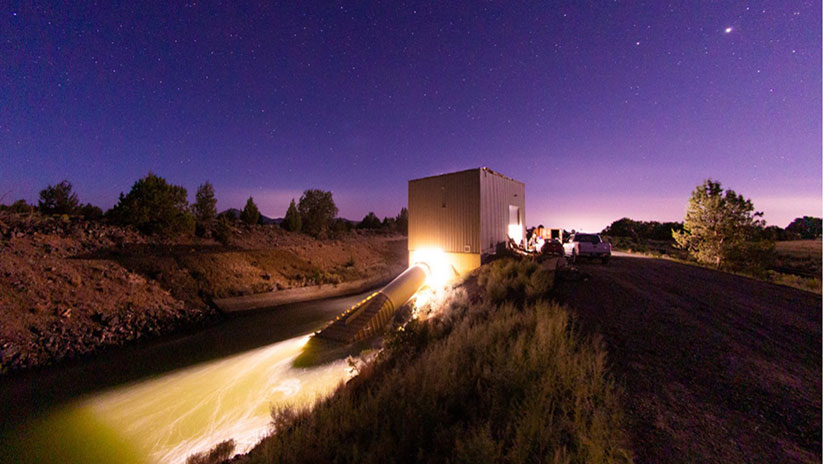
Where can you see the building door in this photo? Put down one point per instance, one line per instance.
(514, 224)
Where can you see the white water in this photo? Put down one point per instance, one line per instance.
(167, 418)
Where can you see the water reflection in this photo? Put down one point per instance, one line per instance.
(168, 418)
(174, 413)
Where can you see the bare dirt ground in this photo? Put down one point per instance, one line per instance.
(715, 367)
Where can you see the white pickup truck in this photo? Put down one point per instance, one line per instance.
(587, 246)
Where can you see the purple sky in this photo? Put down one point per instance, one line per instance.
(609, 110)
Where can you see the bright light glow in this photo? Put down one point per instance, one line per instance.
(421, 299)
(728, 30)
(440, 269)
(514, 232)
(426, 300)
(430, 302)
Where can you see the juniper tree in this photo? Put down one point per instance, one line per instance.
(370, 221)
(155, 206)
(205, 201)
(717, 225)
(402, 220)
(292, 218)
(58, 199)
(318, 211)
(250, 213)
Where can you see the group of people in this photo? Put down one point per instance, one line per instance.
(537, 243)
(536, 240)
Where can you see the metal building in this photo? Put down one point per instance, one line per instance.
(465, 214)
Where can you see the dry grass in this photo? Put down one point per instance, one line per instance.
(811, 284)
(480, 382)
(802, 260)
(800, 248)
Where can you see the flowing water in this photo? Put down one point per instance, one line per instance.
(170, 399)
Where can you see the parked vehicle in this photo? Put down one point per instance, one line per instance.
(587, 246)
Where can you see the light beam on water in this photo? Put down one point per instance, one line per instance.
(169, 417)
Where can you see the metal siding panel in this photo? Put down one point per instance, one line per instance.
(453, 226)
(497, 194)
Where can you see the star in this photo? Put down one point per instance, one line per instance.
(728, 30)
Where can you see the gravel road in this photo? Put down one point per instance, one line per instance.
(714, 367)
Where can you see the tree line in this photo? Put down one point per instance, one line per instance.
(802, 228)
(721, 228)
(642, 230)
(156, 207)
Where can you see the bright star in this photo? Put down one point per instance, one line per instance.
(728, 30)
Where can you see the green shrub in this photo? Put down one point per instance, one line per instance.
(515, 280)
(223, 230)
(90, 212)
(753, 257)
(58, 199)
(341, 226)
(154, 206)
(20, 207)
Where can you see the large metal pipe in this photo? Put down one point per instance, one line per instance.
(374, 312)
(403, 287)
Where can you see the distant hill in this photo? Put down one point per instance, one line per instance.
(236, 214)
(231, 212)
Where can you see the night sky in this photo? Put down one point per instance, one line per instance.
(608, 110)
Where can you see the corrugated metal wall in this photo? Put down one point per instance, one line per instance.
(444, 212)
(497, 194)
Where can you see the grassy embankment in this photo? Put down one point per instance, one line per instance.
(491, 372)
(793, 263)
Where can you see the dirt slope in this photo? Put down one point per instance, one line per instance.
(69, 286)
(716, 367)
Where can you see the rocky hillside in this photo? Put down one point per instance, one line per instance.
(69, 287)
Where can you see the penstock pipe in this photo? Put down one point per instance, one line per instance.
(372, 314)
(403, 287)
